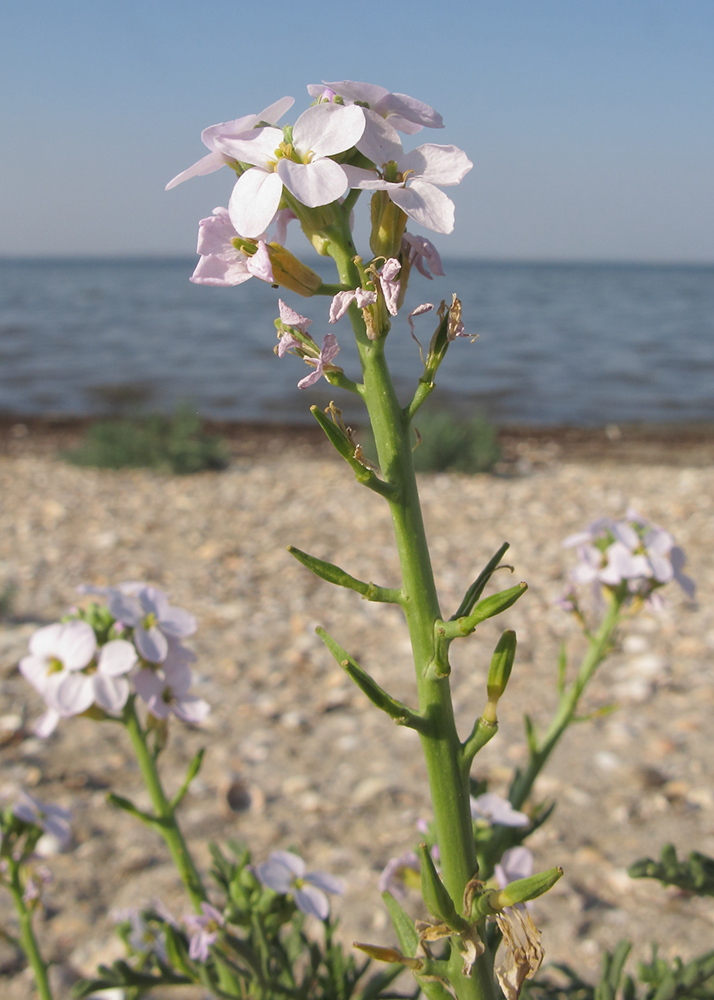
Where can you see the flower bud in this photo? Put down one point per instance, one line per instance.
(388, 225)
(390, 955)
(499, 672)
(291, 273)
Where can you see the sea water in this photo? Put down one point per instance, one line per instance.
(577, 344)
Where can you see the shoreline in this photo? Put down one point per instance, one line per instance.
(661, 444)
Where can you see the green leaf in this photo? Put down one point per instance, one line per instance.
(193, 768)
(377, 695)
(403, 925)
(477, 587)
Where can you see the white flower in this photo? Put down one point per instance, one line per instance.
(491, 808)
(216, 159)
(57, 666)
(410, 179)
(284, 872)
(221, 263)
(147, 610)
(303, 166)
(54, 820)
(404, 113)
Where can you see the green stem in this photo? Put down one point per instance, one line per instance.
(597, 651)
(28, 941)
(448, 778)
(166, 822)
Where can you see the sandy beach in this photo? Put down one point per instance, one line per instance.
(318, 769)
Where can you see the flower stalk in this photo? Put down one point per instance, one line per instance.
(443, 753)
(164, 819)
(27, 939)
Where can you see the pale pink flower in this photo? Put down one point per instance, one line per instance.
(491, 808)
(216, 159)
(221, 263)
(342, 301)
(285, 873)
(419, 173)
(632, 551)
(425, 307)
(166, 692)
(203, 931)
(404, 113)
(389, 282)
(59, 656)
(290, 317)
(398, 873)
(304, 167)
(53, 820)
(421, 253)
(328, 352)
(517, 862)
(147, 610)
(37, 878)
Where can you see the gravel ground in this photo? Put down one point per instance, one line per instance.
(317, 767)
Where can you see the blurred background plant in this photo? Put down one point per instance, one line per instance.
(175, 444)
(446, 442)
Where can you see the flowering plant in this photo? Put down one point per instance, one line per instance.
(125, 660)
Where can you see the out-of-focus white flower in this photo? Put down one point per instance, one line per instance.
(285, 873)
(630, 551)
(491, 808)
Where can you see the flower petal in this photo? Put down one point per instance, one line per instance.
(116, 658)
(312, 902)
(426, 204)
(151, 643)
(190, 708)
(326, 882)
(219, 272)
(77, 645)
(445, 165)
(292, 318)
(206, 165)
(313, 184)
(74, 694)
(257, 146)
(325, 129)
(255, 201)
(111, 693)
(380, 142)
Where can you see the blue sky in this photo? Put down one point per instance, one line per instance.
(590, 122)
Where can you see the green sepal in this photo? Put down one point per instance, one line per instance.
(397, 710)
(333, 574)
(436, 896)
(477, 587)
(342, 444)
(487, 608)
(501, 665)
(406, 932)
(193, 768)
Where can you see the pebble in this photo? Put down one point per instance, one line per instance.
(298, 758)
